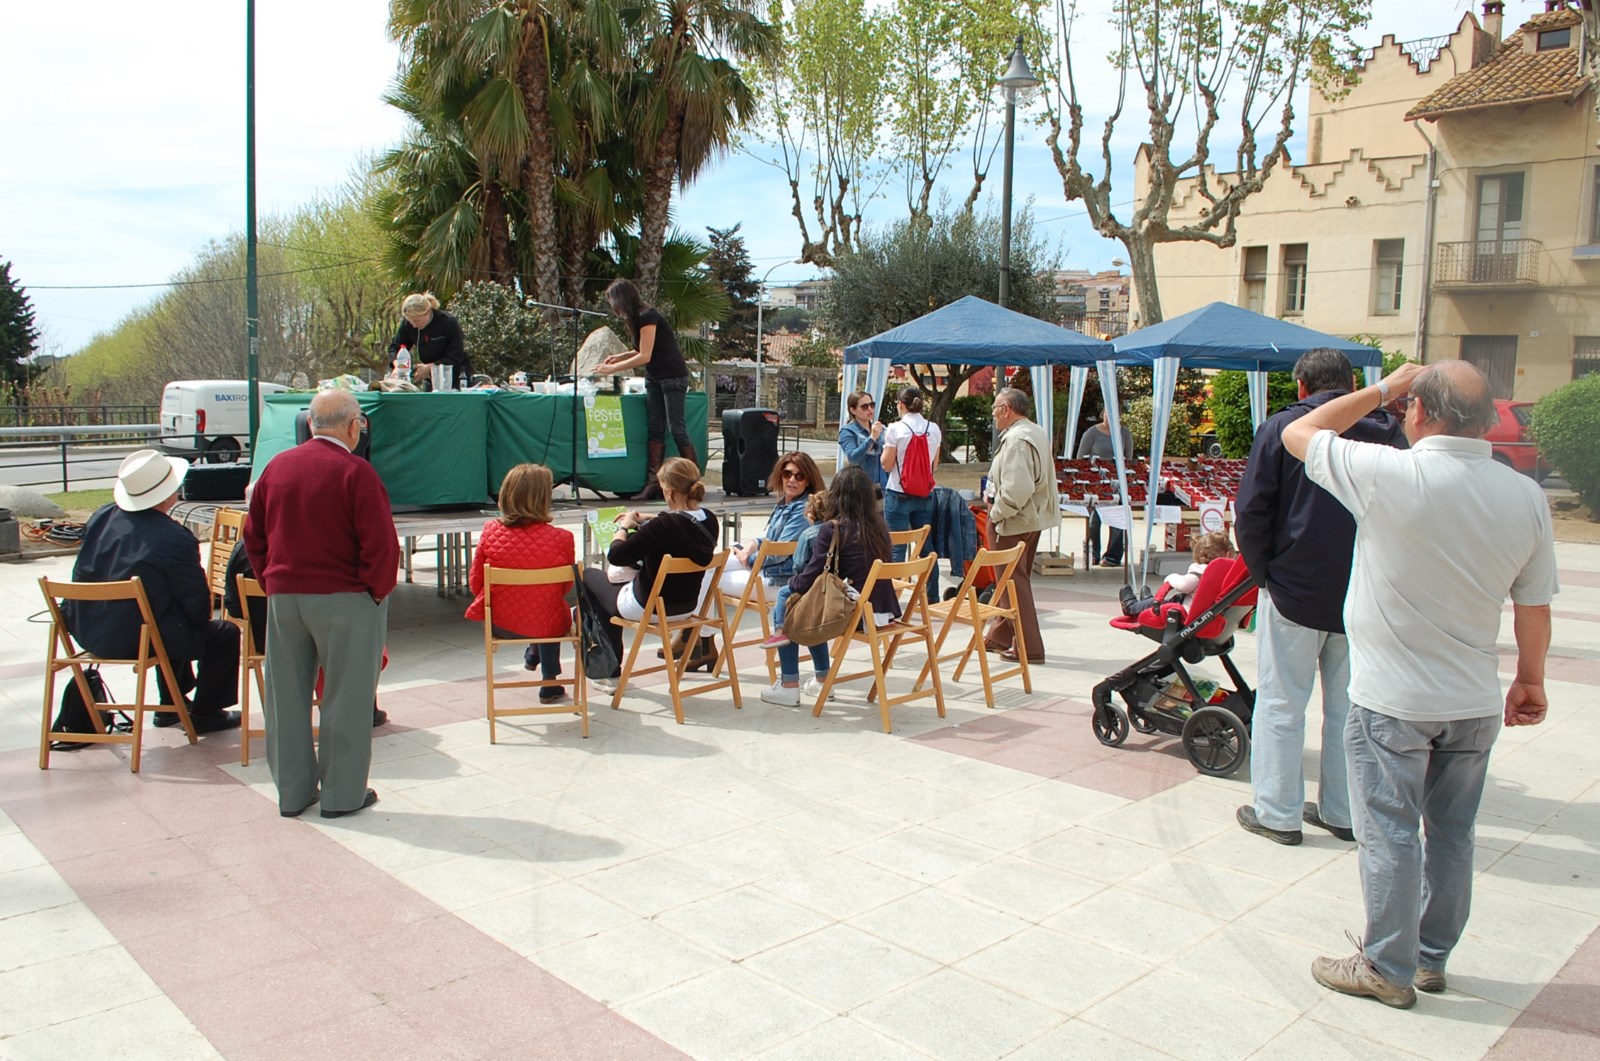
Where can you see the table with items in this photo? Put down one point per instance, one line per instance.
(1087, 484)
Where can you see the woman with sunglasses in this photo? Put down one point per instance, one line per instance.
(861, 438)
(794, 479)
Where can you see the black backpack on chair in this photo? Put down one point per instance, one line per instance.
(73, 717)
(599, 654)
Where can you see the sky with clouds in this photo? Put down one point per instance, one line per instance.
(126, 135)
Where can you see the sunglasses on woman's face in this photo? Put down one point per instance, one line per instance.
(866, 405)
(790, 473)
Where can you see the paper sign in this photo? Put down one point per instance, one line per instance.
(1212, 516)
(607, 436)
(1118, 516)
(1166, 514)
(603, 527)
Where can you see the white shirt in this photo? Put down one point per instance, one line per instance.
(898, 435)
(1443, 535)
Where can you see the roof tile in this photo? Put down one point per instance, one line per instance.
(1513, 75)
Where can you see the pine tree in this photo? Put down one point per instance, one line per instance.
(19, 338)
(729, 265)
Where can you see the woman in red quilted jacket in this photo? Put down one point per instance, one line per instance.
(523, 537)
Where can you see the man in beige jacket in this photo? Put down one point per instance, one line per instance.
(1022, 503)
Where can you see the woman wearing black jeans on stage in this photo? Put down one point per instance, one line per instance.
(666, 379)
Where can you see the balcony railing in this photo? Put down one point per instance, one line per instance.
(1488, 263)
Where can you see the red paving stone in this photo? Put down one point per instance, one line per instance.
(274, 940)
(1564, 1019)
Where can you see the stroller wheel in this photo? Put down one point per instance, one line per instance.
(1110, 724)
(1143, 722)
(1216, 741)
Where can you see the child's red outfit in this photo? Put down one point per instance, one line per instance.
(526, 611)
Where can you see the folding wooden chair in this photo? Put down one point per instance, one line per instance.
(656, 623)
(755, 598)
(225, 531)
(252, 663)
(914, 623)
(966, 612)
(913, 539)
(547, 576)
(63, 655)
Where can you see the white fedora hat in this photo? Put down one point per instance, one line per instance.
(146, 478)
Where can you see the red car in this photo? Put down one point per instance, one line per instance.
(1512, 445)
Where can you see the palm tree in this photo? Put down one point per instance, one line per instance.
(687, 99)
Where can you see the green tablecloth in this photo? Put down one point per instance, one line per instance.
(454, 448)
(539, 428)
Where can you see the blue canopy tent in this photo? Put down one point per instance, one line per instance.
(1221, 336)
(970, 331)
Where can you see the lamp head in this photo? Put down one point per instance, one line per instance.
(1019, 76)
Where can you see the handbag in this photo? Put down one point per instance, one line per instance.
(74, 714)
(823, 611)
(594, 635)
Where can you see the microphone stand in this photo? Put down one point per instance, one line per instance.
(573, 480)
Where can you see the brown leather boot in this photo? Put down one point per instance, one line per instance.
(691, 454)
(680, 645)
(655, 451)
(705, 655)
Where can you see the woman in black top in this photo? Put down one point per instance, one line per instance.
(433, 337)
(666, 378)
(684, 530)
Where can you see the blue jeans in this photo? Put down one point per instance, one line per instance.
(1115, 544)
(1290, 656)
(789, 661)
(778, 606)
(1405, 774)
(663, 406)
(902, 512)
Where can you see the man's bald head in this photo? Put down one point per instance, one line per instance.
(1455, 395)
(332, 411)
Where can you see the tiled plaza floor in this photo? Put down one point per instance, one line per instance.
(756, 882)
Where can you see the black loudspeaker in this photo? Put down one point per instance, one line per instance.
(216, 482)
(302, 433)
(749, 450)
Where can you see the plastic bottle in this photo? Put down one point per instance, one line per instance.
(402, 364)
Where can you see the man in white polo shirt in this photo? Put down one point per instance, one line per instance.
(1443, 535)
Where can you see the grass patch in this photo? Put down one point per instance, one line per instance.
(81, 501)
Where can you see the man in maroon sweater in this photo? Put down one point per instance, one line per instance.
(321, 539)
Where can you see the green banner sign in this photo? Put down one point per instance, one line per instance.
(607, 435)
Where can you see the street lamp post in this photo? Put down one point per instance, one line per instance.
(1018, 78)
(761, 302)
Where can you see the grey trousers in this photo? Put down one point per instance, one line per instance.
(343, 633)
(1415, 789)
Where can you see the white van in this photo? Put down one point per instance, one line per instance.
(209, 419)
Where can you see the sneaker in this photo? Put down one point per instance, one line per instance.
(777, 640)
(1246, 816)
(1313, 818)
(782, 695)
(1429, 980)
(813, 688)
(1356, 976)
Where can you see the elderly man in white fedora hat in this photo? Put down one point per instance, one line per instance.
(135, 536)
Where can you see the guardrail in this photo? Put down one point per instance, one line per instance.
(21, 439)
(1488, 263)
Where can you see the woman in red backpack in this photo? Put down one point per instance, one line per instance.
(910, 455)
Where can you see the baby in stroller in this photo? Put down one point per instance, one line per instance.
(1179, 586)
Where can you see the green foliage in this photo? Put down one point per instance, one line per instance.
(814, 351)
(903, 271)
(1565, 424)
(1138, 414)
(728, 264)
(971, 423)
(504, 336)
(1229, 406)
(19, 337)
(786, 319)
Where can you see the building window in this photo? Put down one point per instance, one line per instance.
(1390, 256)
(1585, 355)
(1496, 357)
(1294, 279)
(1255, 279)
(1594, 211)
(1552, 39)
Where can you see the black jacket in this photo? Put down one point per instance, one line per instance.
(166, 558)
(1295, 538)
(854, 566)
(675, 534)
(440, 342)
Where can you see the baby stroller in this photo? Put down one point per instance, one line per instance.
(1161, 695)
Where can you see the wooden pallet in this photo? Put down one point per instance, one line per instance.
(1049, 564)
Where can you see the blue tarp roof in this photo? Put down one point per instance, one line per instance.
(973, 331)
(1224, 336)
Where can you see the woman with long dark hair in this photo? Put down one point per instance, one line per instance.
(863, 537)
(666, 378)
